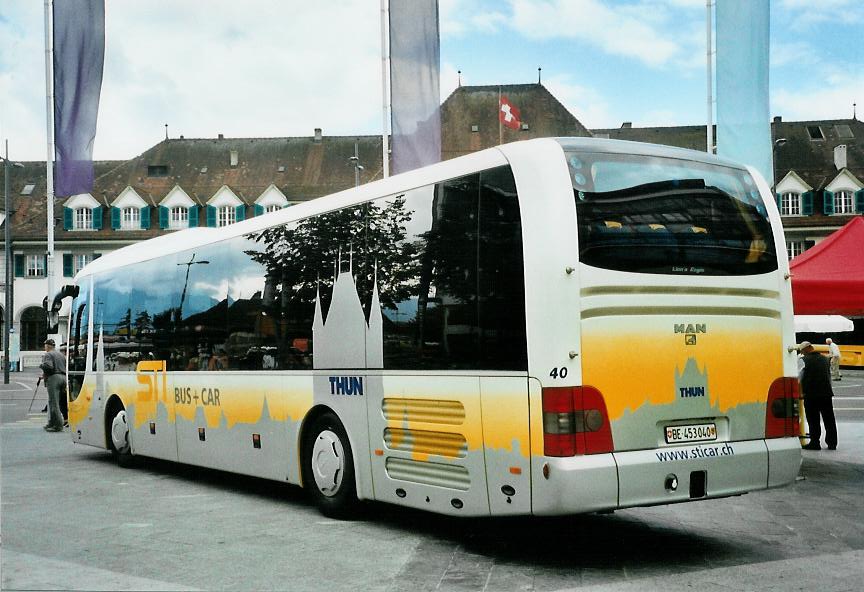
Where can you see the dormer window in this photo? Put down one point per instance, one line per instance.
(131, 219)
(273, 208)
(227, 216)
(83, 219)
(790, 204)
(179, 218)
(844, 202)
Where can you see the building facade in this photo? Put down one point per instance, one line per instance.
(182, 183)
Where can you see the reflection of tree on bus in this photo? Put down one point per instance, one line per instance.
(300, 262)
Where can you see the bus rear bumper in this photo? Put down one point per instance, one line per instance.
(667, 475)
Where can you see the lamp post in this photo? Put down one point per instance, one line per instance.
(355, 160)
(777, 143)
(7, 306)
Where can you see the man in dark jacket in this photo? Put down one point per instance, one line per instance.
(816, 388)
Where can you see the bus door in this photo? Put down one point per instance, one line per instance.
(426, 442)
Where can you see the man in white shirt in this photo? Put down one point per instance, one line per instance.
(834, 354)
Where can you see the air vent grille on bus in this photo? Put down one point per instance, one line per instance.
(424, 410)
(426, 473)
(425, 442)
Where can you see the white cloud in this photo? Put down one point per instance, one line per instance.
(461, 17)
(266, 69)
(832, 98)
(615, 30)
(585, 103)
(807, 14)
(792, 53)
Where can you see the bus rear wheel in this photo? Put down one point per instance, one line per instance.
(119, 436)
(328, 467)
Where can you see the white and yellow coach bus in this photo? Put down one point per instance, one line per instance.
(552, 326)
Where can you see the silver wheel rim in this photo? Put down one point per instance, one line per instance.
(328, 463)
(120, 432)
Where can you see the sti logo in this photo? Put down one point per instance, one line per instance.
(346, 385)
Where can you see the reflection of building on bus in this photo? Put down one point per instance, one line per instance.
(468, 338)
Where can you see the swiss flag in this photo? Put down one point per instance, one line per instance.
(508, 113)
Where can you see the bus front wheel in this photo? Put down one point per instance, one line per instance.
(119, 436)
(328, 468)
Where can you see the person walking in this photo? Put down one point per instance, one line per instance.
(53, 368)
(834, 356)
(817, 392)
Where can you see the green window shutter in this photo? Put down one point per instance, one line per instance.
(145, 218)
(211, 217)
(163, 217)
(115, 218)
(20, 263)
(807, 203)
(779, 201)
(67, 265)
(859, 201)
(259, 210)
(240, 213)
(96, 256)
(827, 203)
(97, 218)
(45, 263)
(67, 218)
(193, 216)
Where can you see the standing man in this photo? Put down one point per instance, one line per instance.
(53, 369)
(834, 354)
(816, 386)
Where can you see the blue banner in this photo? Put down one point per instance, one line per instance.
(414, 83)
(79, 55)
(743, 117)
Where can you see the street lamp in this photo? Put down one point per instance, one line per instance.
(777, 143)
(7, 306)
(355, 160)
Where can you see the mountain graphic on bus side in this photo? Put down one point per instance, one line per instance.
(346, 340)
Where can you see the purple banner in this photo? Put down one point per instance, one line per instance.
(79, 55)
(414, 83)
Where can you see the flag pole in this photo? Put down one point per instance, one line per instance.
(500, 127)
(49, 160)
(710, 128)
(385, 75)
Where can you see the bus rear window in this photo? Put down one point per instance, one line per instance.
(649, 214)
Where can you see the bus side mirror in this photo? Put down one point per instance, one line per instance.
(69, 290)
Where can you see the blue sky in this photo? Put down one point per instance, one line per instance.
(281, 68)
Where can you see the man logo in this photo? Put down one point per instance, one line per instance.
(691, 328)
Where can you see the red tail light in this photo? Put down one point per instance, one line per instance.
(781, 412)
(575, 422)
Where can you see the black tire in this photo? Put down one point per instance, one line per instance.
(117, 426)
(328, 467)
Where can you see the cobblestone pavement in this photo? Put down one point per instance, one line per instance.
(71, 519)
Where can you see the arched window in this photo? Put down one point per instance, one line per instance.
(34, 328)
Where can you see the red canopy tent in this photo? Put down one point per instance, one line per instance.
(829, 277)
